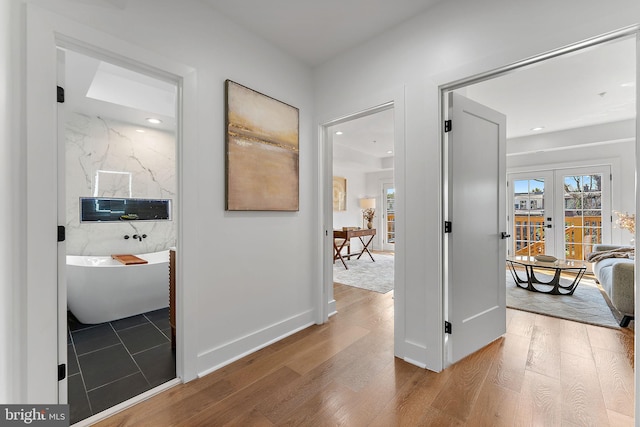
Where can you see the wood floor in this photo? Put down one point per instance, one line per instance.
(543, 372)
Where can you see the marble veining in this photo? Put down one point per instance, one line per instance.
(100, 144)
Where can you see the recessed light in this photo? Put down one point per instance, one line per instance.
(390, 152)
(536, 129)
(339, 133)
(154, 120)
(628, 84)
(140, 130)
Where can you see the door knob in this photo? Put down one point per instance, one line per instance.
(504, 235)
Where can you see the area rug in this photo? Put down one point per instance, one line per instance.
(365, 274)
(586, 305)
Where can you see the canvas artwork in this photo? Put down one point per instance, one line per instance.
(262, 152)
(339, 193)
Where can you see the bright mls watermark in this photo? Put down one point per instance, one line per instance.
(34, 415)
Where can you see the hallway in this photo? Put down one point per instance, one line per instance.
(544, 371)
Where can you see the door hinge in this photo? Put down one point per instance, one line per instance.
(447, 327)
(447, 226)
(62, 371)
(61, 233)
(60, 94)
(447, 126)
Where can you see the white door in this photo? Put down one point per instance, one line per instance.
(475, 249)
(62, 249)
(531, 213)
(389, 201)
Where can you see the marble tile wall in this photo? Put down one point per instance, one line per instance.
(145, 166)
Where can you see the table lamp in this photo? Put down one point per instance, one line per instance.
(368, 206)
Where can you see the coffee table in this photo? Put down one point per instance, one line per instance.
(553, 286)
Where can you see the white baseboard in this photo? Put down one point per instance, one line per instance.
(415, 362)
(332, 308)
(415, 353)
(218, 357)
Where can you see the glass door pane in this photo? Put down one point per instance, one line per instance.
(390, 215)
(582, 214)
(528, 234)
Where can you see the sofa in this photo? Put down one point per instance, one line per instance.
(616, 276)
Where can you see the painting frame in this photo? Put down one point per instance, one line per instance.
(262, 153)
(339, 193)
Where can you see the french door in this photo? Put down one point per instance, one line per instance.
(531, 214)
(389, 201)
(561, 212)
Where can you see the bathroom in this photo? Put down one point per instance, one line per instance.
(120, 183)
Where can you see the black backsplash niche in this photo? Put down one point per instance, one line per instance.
(107, 209)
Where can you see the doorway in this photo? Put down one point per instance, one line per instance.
(362, 167)
(118, 195)
(525, 150)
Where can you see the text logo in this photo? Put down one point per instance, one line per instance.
(34, 415)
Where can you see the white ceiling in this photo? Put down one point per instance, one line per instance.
(592, 86)
(371, 134)
(316, 30)
(98, 88)
(588, 87)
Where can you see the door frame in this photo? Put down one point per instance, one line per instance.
(327, 300)
(444, 89)
(326, 304)
(90, 51)
(45, 32)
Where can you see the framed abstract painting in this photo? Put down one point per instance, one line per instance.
(262, 152)
(339, 193)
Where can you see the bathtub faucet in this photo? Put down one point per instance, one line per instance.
(144, 236)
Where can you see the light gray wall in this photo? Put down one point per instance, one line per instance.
(455, 40)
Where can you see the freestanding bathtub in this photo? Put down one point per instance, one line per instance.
(101, 289)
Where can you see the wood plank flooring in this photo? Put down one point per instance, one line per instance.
(544, 371)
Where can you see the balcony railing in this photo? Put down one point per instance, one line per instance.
(580, 234)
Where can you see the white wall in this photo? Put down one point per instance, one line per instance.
(361, 184)
(241, 290)
(455, 40)
(12, 185)
(356, 189)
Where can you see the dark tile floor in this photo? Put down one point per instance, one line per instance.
(112, 362)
